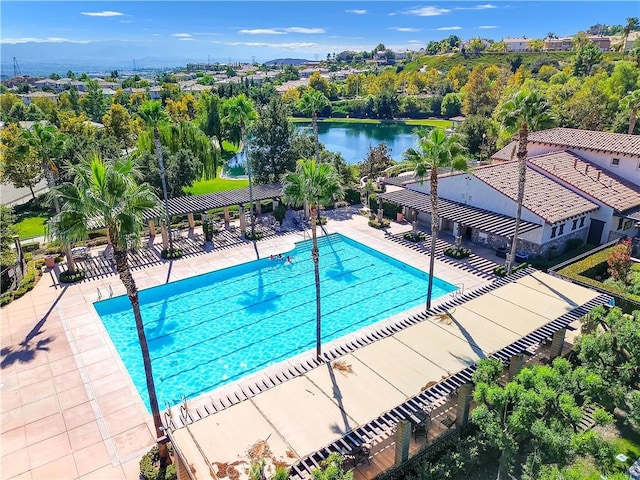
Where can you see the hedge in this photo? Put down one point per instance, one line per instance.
(31, 276)
(501, 270)
(594, 265)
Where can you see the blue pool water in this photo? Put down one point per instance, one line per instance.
(215, 328)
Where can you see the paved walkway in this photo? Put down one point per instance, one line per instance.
(69, 408)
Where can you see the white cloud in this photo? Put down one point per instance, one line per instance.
(426, 11)
(186, 39)
(285, 46)
(486, 6)
(442, 29)
(357, 12)
(487, 26)
(181, 35)
(104, 13)
(304, 30)
(262, 31)
(126, 21)
(12, 41)
(405, 29)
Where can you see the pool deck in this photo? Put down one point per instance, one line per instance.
(70, 410)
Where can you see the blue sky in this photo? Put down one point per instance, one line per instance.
(216, 30)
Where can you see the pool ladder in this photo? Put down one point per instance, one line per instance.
(100, 293)
(459, 291)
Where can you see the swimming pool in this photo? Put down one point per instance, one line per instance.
(212, 329)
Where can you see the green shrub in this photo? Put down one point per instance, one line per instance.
(30, 247)
(28, 282)
(28, 256)
(167, 255)
(149, 465)
(379, 225)
(6, 298)
(279, 212)
(54, 250)
(414, 236)
(252, 236)
(501, 270)
(97, 241)
(457, 252)
(102, 232)
(66, 277)
(352, 196)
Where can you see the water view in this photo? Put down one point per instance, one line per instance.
(353, 140)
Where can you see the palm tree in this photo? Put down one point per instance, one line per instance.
(241, 112)
(436, 149)
(525, 111)
(631, 26)
(107, 193)
(47, 144)
(311, 103)
(632, 101)
(313, 184)
(153, 115)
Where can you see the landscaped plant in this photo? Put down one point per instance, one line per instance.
(169, 254)
(501, 270)
(253, 236)
(279, 212)
(379, 224)
(619, 261)
(414, 236)
(70, 277)
(457, 252)
(332, 469)
(31, 277)
(150, 462)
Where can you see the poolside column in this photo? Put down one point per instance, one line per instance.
(258, 207)
(515, 365)
(557, 343)
(163, 231)
(243, 221)
(402, 438)
(465, 394)
(192, 222)
(227, 219)
(152, 228)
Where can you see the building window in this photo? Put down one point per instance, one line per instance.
(582, 222)
(615, 162)
(561, 230)
(575, 224)
(628, 224)
(553, 232)
(620, 222)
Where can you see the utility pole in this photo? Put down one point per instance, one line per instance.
(16, 68)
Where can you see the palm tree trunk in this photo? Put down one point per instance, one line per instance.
(51, 183)
(434, 230)
(71, 264)
(120, 258)
(253, 223)
(632, 119)
(158, 147)
(523, 135)
(314, 118)
(315, 255)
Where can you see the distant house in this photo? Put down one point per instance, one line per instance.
(27, 98)
(520, 44)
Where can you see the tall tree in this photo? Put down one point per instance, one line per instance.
(313, 184)
(107, 192)
(631, 26)
(118, 122)
(632, 102)
(241, 112)
(524, 111)
(271, 152)
(18, 166)
(210, 119)
(313, 102)
(152, 114)
(47, 144)
(435, 149)
(94, 102)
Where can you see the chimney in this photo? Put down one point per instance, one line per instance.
(586, 169)
(610, 182)
(598, 178)
(575, 162)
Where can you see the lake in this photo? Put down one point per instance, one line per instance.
(353, 140)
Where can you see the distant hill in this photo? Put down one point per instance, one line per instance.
(286, 61)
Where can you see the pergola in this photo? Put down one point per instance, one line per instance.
(467, 215)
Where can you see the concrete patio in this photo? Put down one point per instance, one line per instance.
(69, 408)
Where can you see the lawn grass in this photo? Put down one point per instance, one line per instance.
(215, 185)
(29, 227)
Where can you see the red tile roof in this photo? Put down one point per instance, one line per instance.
(506, 153)
(586, 177)
(620, 143)
(543, 196)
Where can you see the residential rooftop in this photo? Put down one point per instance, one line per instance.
(586, 177)
(543, 196)
(620, 143)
